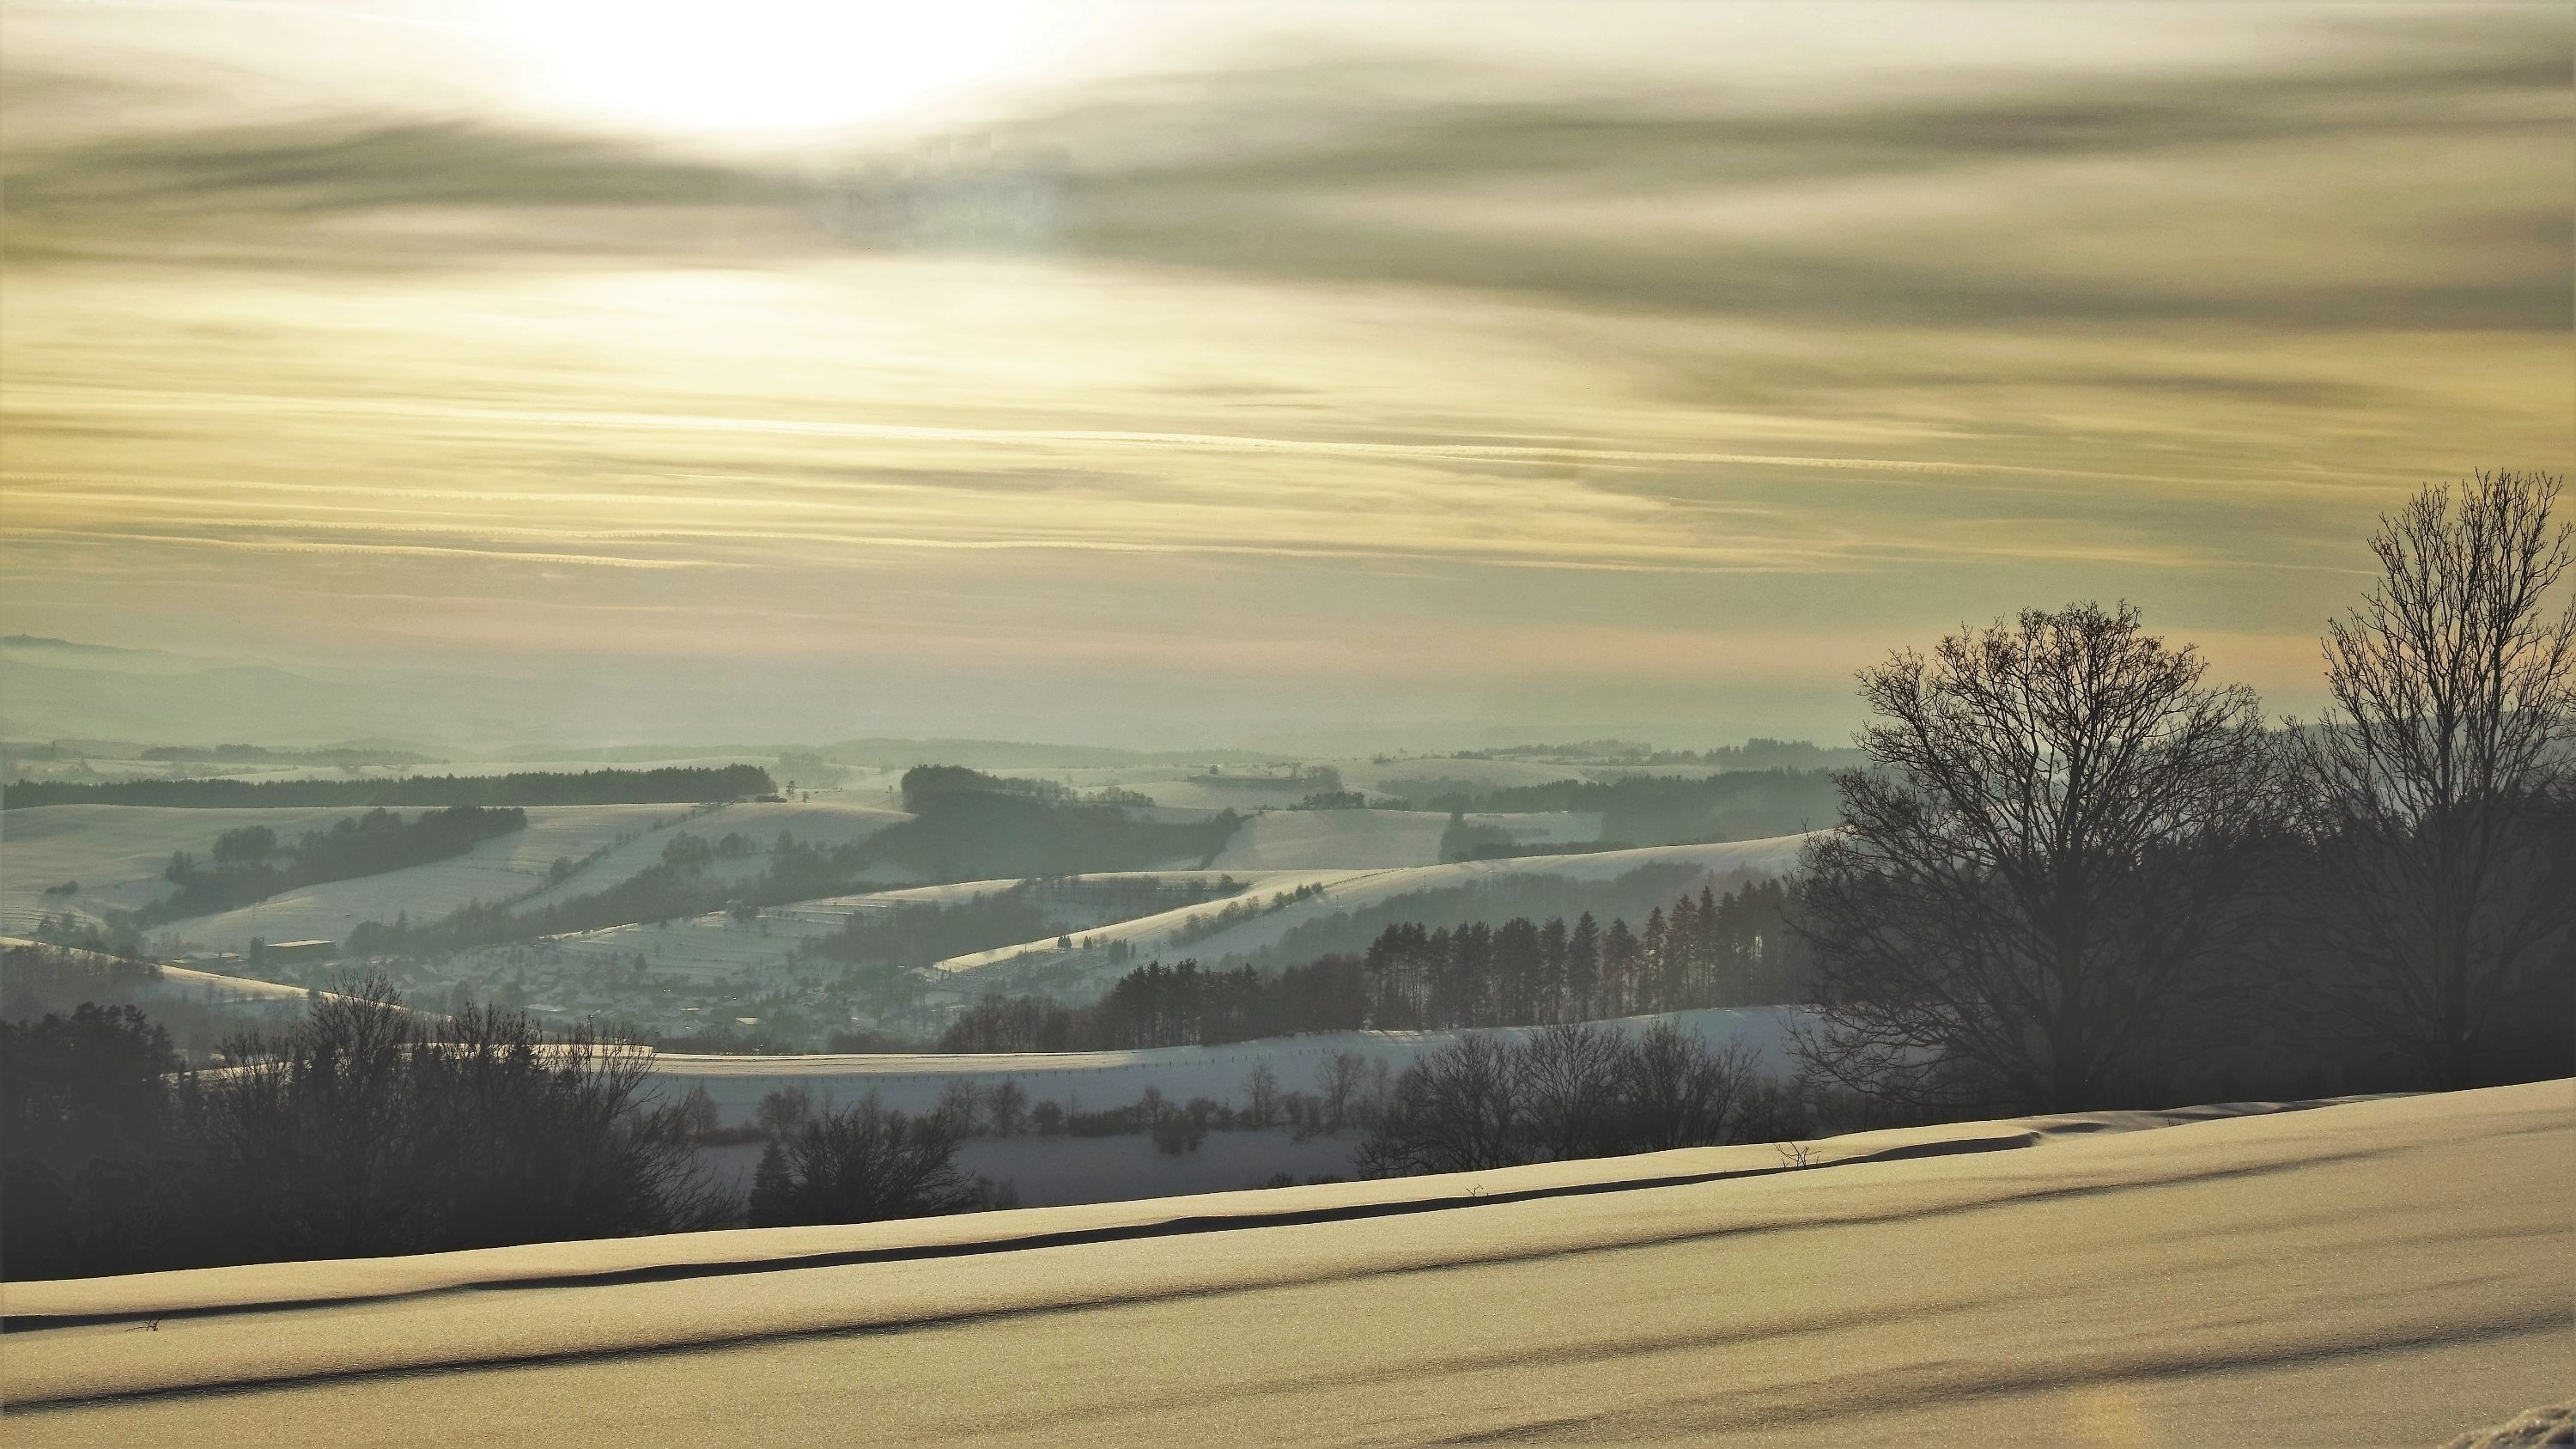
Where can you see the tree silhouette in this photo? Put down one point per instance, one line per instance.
(2027, 899)
(2441, 780)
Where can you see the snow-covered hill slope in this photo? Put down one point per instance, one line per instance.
(628, 839)
(1377, 839)
(715, 946)
(1345, 890)
(2377, 1272)
(116, 853)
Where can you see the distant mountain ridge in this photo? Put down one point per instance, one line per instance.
(44, 652)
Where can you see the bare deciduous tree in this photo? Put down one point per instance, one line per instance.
(2024, 905)
(864, 1164)
(1261, 1095)
(1679, 1093)
(1339, 1081)
(1564, 1092)
(2438, 782)
(370, 1129)
(1570, 1076)
(1006, 1107)
(1455, 1110)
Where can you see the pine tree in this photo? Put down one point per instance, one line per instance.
(1549, 997)
(773, 1190)
(1582, 968)
(1619, 961)
(1655, 966)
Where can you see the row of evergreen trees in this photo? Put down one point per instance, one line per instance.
(1707, 949)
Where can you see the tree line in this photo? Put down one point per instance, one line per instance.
(1499, 896)
(1757, 753)
(1566, 1092)
(346, 758)
(365, 1129)
(2078, 874)
(1707, 949)
(967, 825)
(679, 784)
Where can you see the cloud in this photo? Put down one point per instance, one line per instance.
(1565, 357)
(2385, 187)
(298, 193)
(2381, 181)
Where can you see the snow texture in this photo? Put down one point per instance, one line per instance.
(2369, 1272)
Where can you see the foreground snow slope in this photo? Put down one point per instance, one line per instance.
(2379, 1272)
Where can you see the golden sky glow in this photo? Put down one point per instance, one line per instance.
(1410, 365)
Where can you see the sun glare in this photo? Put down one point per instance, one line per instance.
(768, 64)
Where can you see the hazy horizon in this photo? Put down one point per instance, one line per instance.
(1322, 377)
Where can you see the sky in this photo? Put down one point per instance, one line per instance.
(1349, 374)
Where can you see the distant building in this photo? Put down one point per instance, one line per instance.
(288, 953)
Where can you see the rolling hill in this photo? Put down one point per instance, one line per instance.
(1180, 931)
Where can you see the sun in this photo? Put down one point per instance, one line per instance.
(767, 64)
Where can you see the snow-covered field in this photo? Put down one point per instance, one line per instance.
(715, 947)
(1375, 839)
(1047, 1170)
(2366, 1273)
(116, 852)
(496, 869)
(831, 821)
(1396, 775)
(514, 865)
(1345, 890)
(1189, 786)
(913, 1081)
